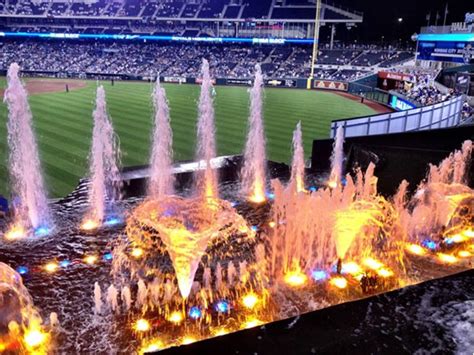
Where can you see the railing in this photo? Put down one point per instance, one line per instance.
(441, 115)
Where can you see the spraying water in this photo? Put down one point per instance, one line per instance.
(161, 178)
(104, 171)
(206, 180)
(337, 158)
(253, 172)
(297, 165)
(26, 178)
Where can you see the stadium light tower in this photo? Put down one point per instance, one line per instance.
(317, 21)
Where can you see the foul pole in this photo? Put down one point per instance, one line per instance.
(317, 22)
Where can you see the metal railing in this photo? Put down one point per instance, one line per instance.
(441, 115)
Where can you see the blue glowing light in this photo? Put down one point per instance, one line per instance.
(429, 244)
(270, 195)
(65, 263)
(319, 275)
(222, 307)
(313, 188)
(343, 181)
(41, 231)
(22, 270)
(112, 221)
(448, 241)
(195, 313)
(233, 203)
(254, 228)
(108, 256)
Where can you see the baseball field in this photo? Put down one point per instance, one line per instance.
(63, 122)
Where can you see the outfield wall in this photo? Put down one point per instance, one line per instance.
(442, 115)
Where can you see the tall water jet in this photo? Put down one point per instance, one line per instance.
(254, 168)
(206, 179)
(104, 170)
(297, 164)
(337, 158)
(25, 170)
(161, 177)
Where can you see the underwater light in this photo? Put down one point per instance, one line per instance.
(22, 270)
(41, 231)
(34, 338)
(295, 278)
(429, 244)
(142, 325)
(108, 256)
(416, 249)
(319, 275)
(51, 267)
(250, 300)
(175, 317)
(112, 221)
(339, 282)
(16, 232)
(222, 307)
(89, 225)
(195, 312)
(65, 263)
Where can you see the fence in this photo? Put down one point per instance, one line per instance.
(441, 115)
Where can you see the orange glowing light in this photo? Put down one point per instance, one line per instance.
(188, 340)
(16, 232)
(332, 184)
(219, 332)
(339, 282)
(295, 278)
(51, 267)
(250, 300)
(464, 254)
(469, 233)
(251, 323)
(34, 338)
(89, 225)
(416, 249)
(272, 224)
(175, 317)
(385, 272)
(90, 259)
(351, 268)
(151, 346)
(447, 258)
(371, 263)
(458, 238)
(142, 325)
(137, 252)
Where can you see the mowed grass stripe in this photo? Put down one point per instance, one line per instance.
(63, 122)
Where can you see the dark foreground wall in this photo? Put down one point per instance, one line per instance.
(397, 156)
(432, 317)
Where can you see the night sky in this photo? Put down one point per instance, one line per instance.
(380, 18)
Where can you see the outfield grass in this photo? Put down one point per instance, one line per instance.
(63, 123)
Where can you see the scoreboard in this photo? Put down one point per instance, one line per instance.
(455, 48)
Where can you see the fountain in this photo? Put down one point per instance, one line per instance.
(28, 191)
(18, 317)
(337, 158)
(194, 265)
(297, 164)
(161, 160)
(206, 179)
(254, 167)
(104, 170)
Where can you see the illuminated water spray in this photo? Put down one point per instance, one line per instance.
(297, 164)
(104, 171)
(161, 178)
(254, 168)
(337, 158)
(206, 179)
(24, 164)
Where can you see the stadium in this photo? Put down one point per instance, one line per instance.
(229, 176)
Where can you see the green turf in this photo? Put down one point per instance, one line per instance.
(63, 123)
